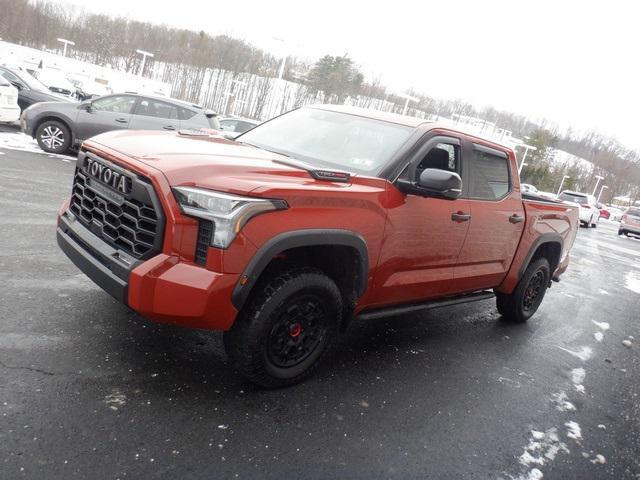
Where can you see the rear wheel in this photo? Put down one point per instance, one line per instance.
(286, 328)
(523, 302)
(53, 137)
(620, 232)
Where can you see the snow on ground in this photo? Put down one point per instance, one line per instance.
(20, 141)
(632, 282)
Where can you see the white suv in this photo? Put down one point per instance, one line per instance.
(589, 211)
(9, 109)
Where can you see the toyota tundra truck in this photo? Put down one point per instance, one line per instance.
(283, 236)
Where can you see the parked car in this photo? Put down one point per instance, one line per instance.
(615, 213)
(9, 109)
(59, 127)
(55, 81)
(604, 212)
(549, 195)
(315, 217)
(589, 211)
(630, 222)
(528, 188)
(232, 127)
(87, 88)
(30, 90)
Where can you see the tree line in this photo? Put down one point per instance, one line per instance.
(208, 67)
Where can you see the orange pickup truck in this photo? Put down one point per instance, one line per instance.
(324, 214)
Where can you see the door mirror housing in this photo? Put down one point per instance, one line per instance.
(86, 106)
(18, 85)
(434, 182)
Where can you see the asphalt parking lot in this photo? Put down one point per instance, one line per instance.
(88, 389)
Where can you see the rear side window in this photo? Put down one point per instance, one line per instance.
(157, 109)
(185, 113)
(634, 212)
(489, 178)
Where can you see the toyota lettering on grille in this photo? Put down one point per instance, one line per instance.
(108, 176)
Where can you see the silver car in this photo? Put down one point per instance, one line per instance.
(59, 127)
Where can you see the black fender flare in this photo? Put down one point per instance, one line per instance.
(295, 239)
(541, 240)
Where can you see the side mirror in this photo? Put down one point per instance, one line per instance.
(441, 183)
(86, 106)
(18, 85)
(434, 183)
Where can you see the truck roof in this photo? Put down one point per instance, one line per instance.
(406, 120)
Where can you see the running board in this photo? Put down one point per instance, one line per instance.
(445, 302)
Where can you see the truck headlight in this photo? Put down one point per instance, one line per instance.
(229, 213)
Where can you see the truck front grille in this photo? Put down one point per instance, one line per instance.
(132, 225)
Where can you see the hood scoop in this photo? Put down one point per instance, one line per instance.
(318, 174)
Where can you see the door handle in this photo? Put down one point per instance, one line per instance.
(121, 120)
(460, 217)
(169, 127)
(515, 218)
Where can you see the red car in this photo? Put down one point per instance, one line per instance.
(316, 217)
(604, 213)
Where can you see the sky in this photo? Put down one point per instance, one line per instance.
(575, 63)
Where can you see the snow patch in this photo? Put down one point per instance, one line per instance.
(562, 403)
(580, 388)
(583, 354)
(115, 400)
(598, 336)
(627, 343)
(632, 282)
(604, 326)
(602, 291)
(599, 459)
(542, 448)
(573, 430)
(577, 375)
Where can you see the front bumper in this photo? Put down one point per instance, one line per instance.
(164, 288)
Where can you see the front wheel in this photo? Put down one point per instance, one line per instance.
(53, 137)
(287, 327)
(520, 305)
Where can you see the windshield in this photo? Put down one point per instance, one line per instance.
(32, 82)
(634, 212)
(331, 139)
(570, 197)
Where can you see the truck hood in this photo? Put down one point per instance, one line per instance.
(211, 162)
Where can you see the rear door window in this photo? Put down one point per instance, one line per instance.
(489, 174)
(572, 197)
(157, 109)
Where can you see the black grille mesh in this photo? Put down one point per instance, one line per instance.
(205, 232)
(132, 226)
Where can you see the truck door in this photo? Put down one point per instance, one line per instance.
(497, 218)
(423, 235)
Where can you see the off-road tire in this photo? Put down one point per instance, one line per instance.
(512, 306)
(249, 343)
(53, 137)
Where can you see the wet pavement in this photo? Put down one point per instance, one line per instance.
(88, 389)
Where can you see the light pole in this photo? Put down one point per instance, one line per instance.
(521, 167)
(408, 99)
(562, 183)
(144, 59)
(526, 150)
(596, 187)
(66, 42)
(600, 194)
